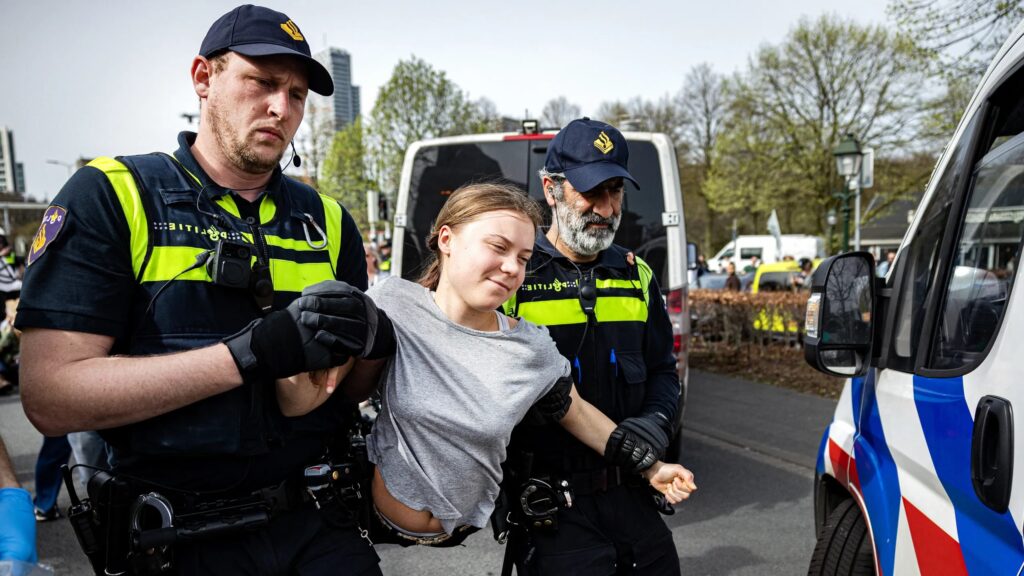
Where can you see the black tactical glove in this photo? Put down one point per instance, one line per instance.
(346, 321)
(554, 405)
(279, 346)
(653, 428)
(626, 449)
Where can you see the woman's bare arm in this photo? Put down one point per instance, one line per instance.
(590, 426)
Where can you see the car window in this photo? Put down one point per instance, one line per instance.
(748, 253)
(920, 263)
(775, 281)
(985, 260)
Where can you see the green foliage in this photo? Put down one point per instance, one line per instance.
(797, 100)
(417, 102)
(345, 176)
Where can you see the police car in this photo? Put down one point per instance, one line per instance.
(916, 473)
(652, 219)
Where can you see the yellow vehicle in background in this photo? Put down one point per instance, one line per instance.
(779, 277)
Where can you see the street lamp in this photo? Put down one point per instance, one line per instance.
(69, 167)
(848, 160)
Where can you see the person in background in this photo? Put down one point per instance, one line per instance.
(17, 526)
(801, 280)
(752, 267)
(385, 257)
(732, 283)
(884, 266)
(373, 271)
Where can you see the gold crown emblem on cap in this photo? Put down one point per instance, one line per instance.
(604, 143)
(292, 30)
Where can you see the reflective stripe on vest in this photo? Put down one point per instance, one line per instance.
(608, 308)
(167, 262)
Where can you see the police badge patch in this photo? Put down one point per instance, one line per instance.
(53, 223)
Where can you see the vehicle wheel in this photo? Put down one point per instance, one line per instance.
(843, 548)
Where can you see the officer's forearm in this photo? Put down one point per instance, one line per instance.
(69, 383)
(588, 424)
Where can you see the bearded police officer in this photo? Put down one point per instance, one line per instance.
(605, 312)
(167, 296)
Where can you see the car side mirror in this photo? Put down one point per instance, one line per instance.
(691, 256)
(839, 315)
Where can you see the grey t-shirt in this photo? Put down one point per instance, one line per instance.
(451, 396)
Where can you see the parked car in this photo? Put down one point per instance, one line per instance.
(916, 471)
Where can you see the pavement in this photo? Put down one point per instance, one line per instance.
(752, 447)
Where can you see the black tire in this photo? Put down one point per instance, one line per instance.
(844, 546)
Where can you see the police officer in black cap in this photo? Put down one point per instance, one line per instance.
(171, 298)
(603, 308)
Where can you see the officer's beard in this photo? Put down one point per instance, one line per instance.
(236, 149)
(573, 230)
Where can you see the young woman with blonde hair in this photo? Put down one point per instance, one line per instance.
(465, 374)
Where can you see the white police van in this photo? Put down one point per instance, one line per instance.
(652, 218)
(916, 473)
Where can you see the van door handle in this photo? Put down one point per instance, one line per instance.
(992, 452)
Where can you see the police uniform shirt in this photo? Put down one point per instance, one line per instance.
(625, 364)
(81, 279)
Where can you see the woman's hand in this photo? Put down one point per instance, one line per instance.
(303, 393)
(672, 480)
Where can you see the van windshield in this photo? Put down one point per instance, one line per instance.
(438, 170)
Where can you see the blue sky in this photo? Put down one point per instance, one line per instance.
(88, 79)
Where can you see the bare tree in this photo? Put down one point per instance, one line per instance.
(797, 101)
(703, 105)
(963, 35)
(558, 112)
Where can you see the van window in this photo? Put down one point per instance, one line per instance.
(438, 170)
(748, 253)
(921, 263)
(986, 258)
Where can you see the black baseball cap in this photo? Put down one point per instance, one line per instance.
(258, 31)
(589, 152)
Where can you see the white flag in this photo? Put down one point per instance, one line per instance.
(776, 231)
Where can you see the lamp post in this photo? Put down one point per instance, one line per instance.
(848, 160)
(69, 167)
(830, 218)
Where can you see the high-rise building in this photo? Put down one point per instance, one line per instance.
(12, 172)
(343, 106)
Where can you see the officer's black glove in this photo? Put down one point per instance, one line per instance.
(279, 346)
(652, 428)
(626, 449)
(554, 405)
(347, 321)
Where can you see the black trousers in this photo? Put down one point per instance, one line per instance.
(604, 534)
(295, 543)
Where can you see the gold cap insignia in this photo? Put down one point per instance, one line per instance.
(604, 143)
(292, 30)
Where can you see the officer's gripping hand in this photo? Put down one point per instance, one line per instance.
(17, 526)
(279, 345)
(346, 320)
(626, 449)
(652, 428)
(554, 405)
